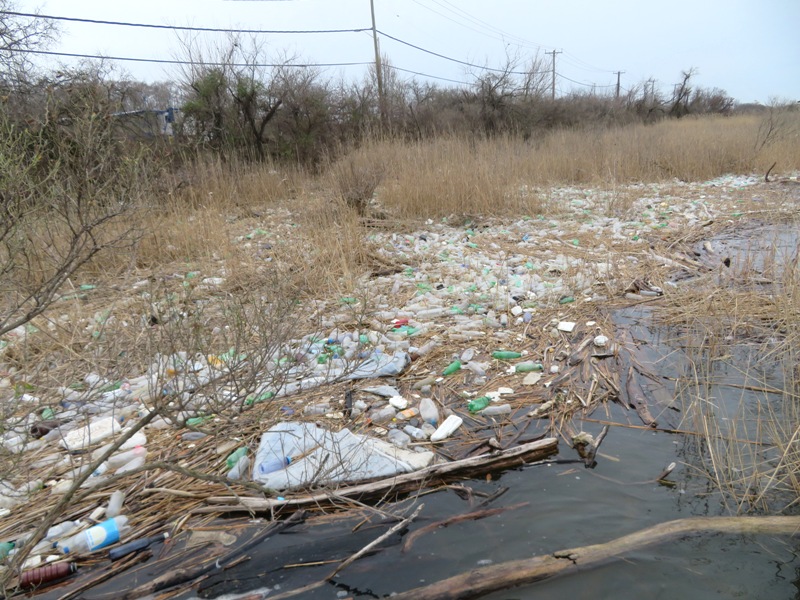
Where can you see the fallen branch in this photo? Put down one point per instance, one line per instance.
(190, 574)
(466, 468)
(482, 581)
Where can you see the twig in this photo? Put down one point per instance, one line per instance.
(312, 586)
(470, 516)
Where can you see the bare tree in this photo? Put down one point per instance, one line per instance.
(66, 188)
(18, 37)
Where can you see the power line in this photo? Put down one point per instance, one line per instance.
(455, 60)
(199, 63)
(427, 75)
(582, 83)
(177, 27)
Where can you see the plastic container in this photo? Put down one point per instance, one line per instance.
(56, 532)
(239, 469)
(447, 428)
(5, 548)
(235, 457)
(115, 461)
(453, 367)
(135, 463)
(101, 535)
(399, 438)
(429, 412)
(478, 404)
(416, 433)
(317, 409)
(505, 355)
(115, 504)
(38, 576)
(528, 366)
(409, 413)
(136, 545)
(496, 409)
(383, 415)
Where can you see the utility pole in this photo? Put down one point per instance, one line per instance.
(554, 52)
(378, 68)
(619, 73)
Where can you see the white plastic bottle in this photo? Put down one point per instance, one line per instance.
(447, 428)
(115, 461)
(101, 535)
(115, 504)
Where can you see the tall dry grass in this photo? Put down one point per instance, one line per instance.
(457, 175)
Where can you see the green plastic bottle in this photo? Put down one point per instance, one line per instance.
(234, 458)
(5, 548)
(505, 354)
(478, 404)
(453, 367)
(528, 366)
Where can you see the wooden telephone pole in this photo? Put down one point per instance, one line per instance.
(378, 68)
(553, 90)
(619, 73)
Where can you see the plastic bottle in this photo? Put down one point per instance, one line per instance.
(478, 368)
(132, 464)
(275, 464)
(235, 457)
(38, 576)
(453, 367)
(478, 404)
(528, 366)
(416, 433)
(115, 461)
(136, 545)
(239, 469)
(409, 413)
(5, 548)
(317, 409)
(383, 415)
(496, 409)
(101, 535)
(505, 355)
(447, 428)
(428, 411)
(399, 438)
(61, 530)
(115, 504)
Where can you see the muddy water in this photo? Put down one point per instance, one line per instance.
(566, 506)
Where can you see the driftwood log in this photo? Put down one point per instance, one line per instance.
(407, 482)
(485, 580)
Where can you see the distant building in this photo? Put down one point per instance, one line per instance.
(148, 123)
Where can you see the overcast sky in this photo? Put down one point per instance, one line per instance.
(749, 48)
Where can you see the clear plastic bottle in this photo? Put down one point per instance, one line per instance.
(399, 438)
(101, 535)
(428, 411)
(496, 409)
(115, 504)
(416, 433)
(382, 415)
(61, 530)
(240, 468)
(115, 461)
